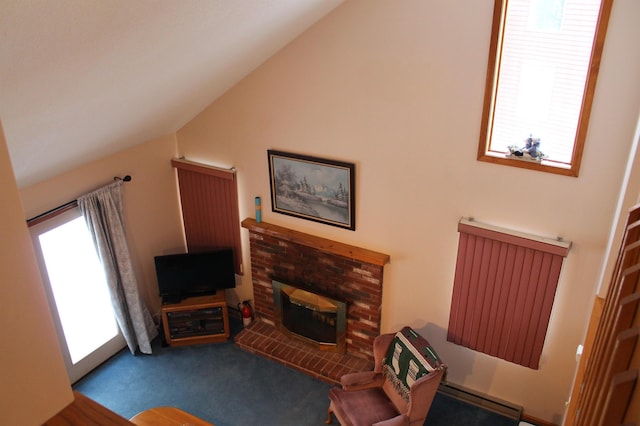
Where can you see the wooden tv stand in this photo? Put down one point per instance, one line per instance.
(196, 320)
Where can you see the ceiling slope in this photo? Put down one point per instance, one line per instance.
(83, 79)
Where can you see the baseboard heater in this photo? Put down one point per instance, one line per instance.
(486, 402)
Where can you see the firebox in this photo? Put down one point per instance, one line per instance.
(312, 317)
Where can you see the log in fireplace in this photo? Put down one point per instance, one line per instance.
(309, 316)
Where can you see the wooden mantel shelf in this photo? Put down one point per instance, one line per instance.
(318, 243)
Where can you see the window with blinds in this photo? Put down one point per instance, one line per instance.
(540, 82)
(504, 286)
(210, 212)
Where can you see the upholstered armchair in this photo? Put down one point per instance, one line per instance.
(399, 390)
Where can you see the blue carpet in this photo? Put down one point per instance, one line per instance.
(217, 382)
(449, 411)
(227, 386)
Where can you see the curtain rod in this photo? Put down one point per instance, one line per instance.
(64, 207)
(187, 164)
(559, 241)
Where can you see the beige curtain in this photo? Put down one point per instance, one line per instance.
(102, 210)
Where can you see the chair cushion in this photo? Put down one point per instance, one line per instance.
(408, 358)
(363, 407)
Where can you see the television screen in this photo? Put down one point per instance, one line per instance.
(194, 274)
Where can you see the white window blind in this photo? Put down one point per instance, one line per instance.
(543, 68)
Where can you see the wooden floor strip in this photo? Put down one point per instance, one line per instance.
(84, 411)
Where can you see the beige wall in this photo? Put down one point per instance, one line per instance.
(152, 213)
(397, 88)
(34, 383)
(629, 197)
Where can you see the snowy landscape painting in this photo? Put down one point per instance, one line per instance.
(312, 188)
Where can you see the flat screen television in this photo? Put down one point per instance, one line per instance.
(194, 274)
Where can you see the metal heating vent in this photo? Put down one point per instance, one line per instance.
(486, 402)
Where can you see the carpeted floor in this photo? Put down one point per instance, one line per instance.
(230, 387)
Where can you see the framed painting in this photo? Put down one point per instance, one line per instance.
(313, 188)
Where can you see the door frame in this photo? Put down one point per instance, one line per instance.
(108, 349)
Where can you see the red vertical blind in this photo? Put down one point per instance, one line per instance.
(503, 292)
(209, 198)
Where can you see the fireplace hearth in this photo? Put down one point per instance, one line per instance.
(327, 272)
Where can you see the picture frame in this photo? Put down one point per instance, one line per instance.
(312, 188)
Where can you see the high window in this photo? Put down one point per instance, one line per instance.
(541, 77)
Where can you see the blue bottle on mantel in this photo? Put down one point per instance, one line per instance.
(258, 210)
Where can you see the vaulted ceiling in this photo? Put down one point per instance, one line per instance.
(81, 79)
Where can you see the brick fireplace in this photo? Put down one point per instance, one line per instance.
(335, 270)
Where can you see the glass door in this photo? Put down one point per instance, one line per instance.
(77, 291)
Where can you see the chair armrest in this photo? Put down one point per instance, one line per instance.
(422, 393)
(361, 380)
(399, 420)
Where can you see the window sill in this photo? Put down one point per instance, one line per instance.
(524, 157)
(527, 163)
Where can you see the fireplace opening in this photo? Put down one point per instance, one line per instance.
(312, 317)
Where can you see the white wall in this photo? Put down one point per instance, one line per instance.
(34, 384)
(397, 88)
